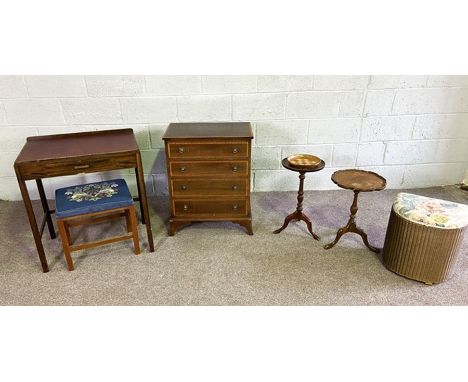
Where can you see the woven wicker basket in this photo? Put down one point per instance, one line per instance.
(420, 252)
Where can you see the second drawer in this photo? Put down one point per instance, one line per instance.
(200, 168)
(212, 187)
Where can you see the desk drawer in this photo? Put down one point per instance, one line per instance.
(212, 187)
(208, 208)
(209, 168)
(208, 150)
(45, 169)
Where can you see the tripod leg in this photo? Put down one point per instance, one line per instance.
(309, 226)
(364, 239)
(340, 233)
(286, 221)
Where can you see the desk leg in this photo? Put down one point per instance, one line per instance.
(144, 201)
(45, 207)
(33, 223)
(140, 199)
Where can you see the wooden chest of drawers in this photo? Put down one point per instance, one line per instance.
(208, 169)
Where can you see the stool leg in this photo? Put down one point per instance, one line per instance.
(66, 244)
(131, 213)
(67, 231)
(128, 221)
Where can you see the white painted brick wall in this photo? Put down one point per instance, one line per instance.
(3, 120)
(113, 86)
(281, 132)
(387, 128)
(324, 104)
(379, 102)
(284, 83)
(12, 87)
(148, 110)
(395, 82)
(33, 112)
(258, 106)
(204, 108)
(229, 84)
(340, 82)
(55, 86)
(173, 85)
(413, 130)
(91, 110)
(334, 130)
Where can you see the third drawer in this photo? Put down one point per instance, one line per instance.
(212, 187)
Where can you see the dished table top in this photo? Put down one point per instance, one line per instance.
(359, 180)
(209, 130)
(58, 146)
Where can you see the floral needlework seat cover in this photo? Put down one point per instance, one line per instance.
(92, 197)
(431, 212)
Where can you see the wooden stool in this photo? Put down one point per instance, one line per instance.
(358, 181)
(424, 237)
(301, 163)
(92, 203)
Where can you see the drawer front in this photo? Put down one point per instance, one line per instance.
(63, 167)
(207, 208)
(208, 150)
(191, 169)
(211, 187)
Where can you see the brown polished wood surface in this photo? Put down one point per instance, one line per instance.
(77, 153)
(77, 145)
(232, 150)
(357, 181)
(215, 187)
(210, 130)
(212, 208)
(209, 168)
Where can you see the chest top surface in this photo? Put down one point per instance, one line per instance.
(77, 144)
(209, 130)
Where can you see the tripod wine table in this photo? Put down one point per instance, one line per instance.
(357, 181)
(298, 214)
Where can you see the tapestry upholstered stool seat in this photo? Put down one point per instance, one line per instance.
(93, 203)
(424, 236)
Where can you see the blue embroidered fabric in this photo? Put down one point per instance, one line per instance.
(92, 197)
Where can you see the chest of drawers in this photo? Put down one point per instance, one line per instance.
(208, 169)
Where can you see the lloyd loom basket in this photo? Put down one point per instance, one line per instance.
(424, 237)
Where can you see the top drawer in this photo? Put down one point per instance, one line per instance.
(74, 166)
(208, 150)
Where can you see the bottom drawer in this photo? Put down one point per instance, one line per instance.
(208, 208)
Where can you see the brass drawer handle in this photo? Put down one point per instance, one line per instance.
(234, 168)
(182, 169)
(234, 188)
(235, 150)
(235, 207)
(183, 187)
(186, 207)
(181, 150)
(82, 166)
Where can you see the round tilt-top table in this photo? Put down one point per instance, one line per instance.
(357, 181)
(298, 214)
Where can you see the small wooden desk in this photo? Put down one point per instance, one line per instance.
(71, 154)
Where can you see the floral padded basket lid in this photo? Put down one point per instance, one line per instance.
(431, 212)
